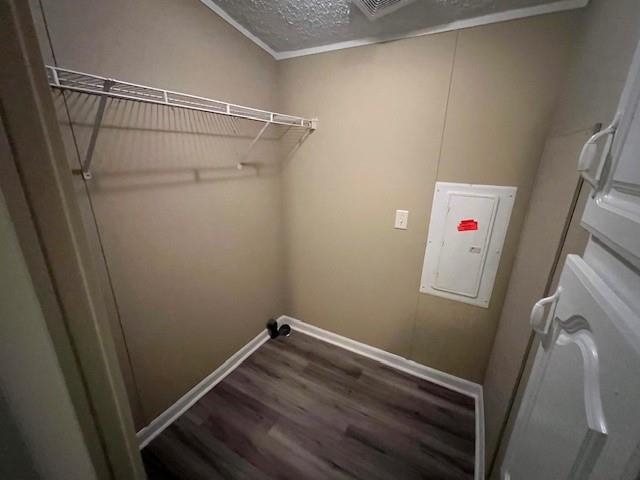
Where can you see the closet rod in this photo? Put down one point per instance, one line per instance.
(65, 79)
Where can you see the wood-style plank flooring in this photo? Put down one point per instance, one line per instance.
(300, 408)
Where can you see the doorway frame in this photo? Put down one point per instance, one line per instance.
(37, 186)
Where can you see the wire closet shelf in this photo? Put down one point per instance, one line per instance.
(71, 80)
(65, 79)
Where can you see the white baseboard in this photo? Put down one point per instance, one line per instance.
(167, 417)
(449, 381)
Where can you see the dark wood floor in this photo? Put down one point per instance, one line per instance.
(300, 408)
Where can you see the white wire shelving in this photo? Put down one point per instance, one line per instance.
(71, 80)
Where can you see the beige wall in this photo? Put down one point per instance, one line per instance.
(382, 112)
(199, 255)
(470, 106)
(194, 248)
(607, 38)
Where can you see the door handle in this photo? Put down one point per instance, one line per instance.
(589, 152)
(538, 322)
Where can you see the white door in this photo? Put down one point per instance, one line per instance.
(580, 413)
(613, 211)
(579, 416)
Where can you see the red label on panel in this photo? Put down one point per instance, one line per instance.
(467, 225)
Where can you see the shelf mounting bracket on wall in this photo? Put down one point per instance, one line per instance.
(71, 80)
(243, 163)
(97, 123)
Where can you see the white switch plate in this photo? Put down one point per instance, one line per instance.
(402, 219)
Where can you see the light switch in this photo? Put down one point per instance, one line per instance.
(402, 218)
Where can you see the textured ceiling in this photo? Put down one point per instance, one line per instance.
(286, 25)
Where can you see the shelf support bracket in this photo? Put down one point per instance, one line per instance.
(299, 143)
(242, 163)
(86, 165)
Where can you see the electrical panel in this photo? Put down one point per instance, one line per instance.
(466, 233)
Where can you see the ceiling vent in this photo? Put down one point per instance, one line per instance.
(375, 9)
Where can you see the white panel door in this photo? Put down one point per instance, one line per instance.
(467, 230)
(613, 211)
(579, 416)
